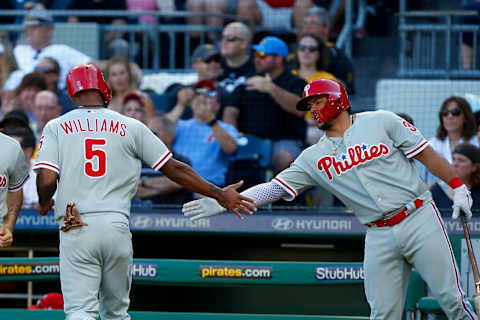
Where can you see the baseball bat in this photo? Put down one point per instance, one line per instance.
(473, 262)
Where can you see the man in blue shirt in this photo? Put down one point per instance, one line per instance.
(208, 143)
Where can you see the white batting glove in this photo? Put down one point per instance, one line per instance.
(202, 208)
(462, 201)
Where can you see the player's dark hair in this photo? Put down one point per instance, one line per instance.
(406, 117)
(469, 126)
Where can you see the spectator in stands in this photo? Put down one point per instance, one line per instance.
(245, 9)
(466, 45)
(8, 69)
(457, 125)
(466, 162)
(312, 59)
(265, 105)
(208, 143)
(119, 76)
(8, 64)
(134, 106)
(206, 63)
(38, 36)
(160, 189)
(316, 22)
(237, 59)
(50, 69)
(25, 94)
(275, 16)
(26, 138)
(45, 108)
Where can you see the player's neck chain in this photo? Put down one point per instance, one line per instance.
(335, 146)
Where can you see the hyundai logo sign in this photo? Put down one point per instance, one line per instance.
(282, 224)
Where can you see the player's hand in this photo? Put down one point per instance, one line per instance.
(233, 201)
(202, 208)
(45, 209)
(72, 219)
(462, 201)
(6, 237)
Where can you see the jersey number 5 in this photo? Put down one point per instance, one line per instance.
(91, 152)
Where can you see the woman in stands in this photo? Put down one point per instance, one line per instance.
(457, 125)
(134, 106)
(466, 162)
(312, 59)
(119, 76)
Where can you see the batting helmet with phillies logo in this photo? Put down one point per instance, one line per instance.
(336, 94)
(87, 77)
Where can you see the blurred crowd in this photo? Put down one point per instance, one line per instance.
(249, 78)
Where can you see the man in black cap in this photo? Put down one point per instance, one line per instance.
(466, 162)
(13, 120)
(206, 63)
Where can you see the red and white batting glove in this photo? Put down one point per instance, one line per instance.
(462, 200)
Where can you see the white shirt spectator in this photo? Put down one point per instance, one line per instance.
(30, 196)
(67, 57)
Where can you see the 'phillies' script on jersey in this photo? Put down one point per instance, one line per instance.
(93, 125)
(356, 155)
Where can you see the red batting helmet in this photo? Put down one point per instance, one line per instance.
(86, 77)
(337, 98)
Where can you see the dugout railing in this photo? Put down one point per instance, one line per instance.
(430, 44)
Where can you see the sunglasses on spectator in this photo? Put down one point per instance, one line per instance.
(45, 70)
(303, 47)
(206, 92)
(213, 59)
(454, 112)
(230, 38)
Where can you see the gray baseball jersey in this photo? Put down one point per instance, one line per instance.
(13, 170)
(97, 154)
(370, 170)
(360, 174)
(101, 151)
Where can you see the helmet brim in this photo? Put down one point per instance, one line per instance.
(302, 104)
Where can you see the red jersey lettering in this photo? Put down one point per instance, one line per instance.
(356, 155)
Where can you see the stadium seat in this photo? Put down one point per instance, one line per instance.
(160, 101)
(252, 161)
(250, 146)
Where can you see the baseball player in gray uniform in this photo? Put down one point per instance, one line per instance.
(366, 161)
(95, 154)
(13, 175)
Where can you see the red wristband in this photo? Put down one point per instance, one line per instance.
(455, 183)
